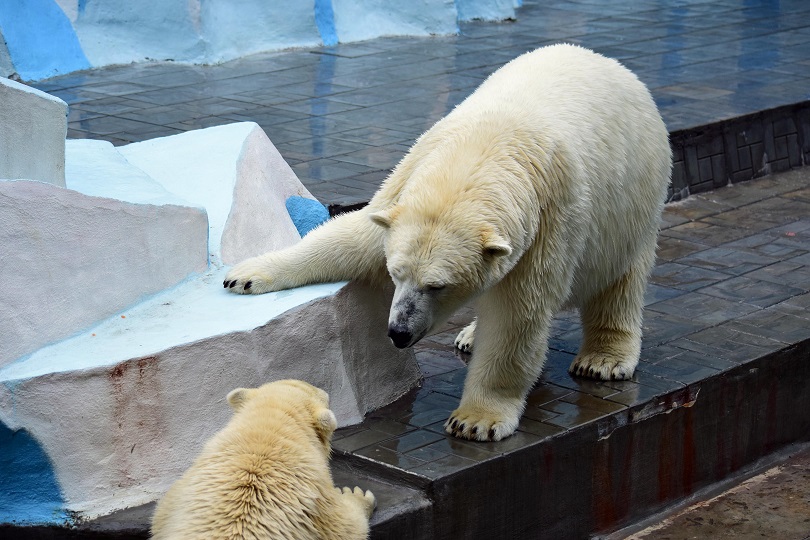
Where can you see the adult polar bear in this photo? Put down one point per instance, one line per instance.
(542, 189)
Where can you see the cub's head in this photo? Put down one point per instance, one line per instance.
(439, 258)
(301, 400)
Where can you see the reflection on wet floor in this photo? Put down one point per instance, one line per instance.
(343, 116)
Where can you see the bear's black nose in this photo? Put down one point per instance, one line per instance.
(401, 338)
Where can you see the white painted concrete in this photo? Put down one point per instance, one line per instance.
(236, 173)
(71, 259)
(32, 136)
(97, 168)
(486, 10)
(122, 31)
(123, 408)
(256, 26)
(118, 343)
(357, 20)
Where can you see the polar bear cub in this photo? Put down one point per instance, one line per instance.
(542, 190)
(266, 475)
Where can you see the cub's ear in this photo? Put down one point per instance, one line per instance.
(238, 397)
(496, 246)
(384, 218)
(325, 424)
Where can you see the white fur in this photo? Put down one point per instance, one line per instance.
(266, 475)
(543, 188)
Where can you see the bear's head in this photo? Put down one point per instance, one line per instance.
(301, 400)
(439, 257)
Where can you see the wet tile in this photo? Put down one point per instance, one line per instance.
(696, 208)
(705, 233)
(728, 260)
(444, 466)
(570, 416)
(649, 388)
(775, 325)
(410, 441)
(755, 292)
(390, 457)
(703, 308)
(683, 277)
(729, 343)
(670, 249)
(540, 429)
(656, 293)
(678, 369)
(763, 214)
(798, 306)
(361, 439)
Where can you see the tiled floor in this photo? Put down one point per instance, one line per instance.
(711, 305)
(344, 116)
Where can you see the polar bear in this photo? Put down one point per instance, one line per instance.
(266, 475)
(542, 190)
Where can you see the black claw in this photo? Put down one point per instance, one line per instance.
(492, 434)
(248, 284)
(225, 284)
(454, 424)
(461, 427)
(474, 430)
(232, 284)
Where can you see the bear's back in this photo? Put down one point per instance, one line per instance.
(248, 484)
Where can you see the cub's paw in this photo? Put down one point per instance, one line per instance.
(480, 425)
(366, 498)
(249, 277)
(604, 366)
(464, 340)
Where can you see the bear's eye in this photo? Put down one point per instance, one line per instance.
(435, 287)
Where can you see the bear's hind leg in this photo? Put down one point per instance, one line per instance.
(611, 326)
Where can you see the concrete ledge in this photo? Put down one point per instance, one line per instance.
(68, 283)
(121, 410)
(32, 140)
(237, 175)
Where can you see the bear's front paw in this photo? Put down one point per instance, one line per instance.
(603, 366)
(480, 425)
(464, 340)
(366, 498)
(249, 277)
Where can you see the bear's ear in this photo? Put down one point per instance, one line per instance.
(325, 425)
(384, 218)
(238, 397)
(495, 246)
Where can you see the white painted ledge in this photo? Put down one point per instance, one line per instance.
(237, 175)
(122, 409)
(74, 259)
(33, 125)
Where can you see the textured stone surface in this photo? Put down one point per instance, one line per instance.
(77, 259)
(32, 138)
(237, 174)
(107, 418)
(122, 414)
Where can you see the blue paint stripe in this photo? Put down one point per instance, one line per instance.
(40, 39)
(29, 490)
(325, 21)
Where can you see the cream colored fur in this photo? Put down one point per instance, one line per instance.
(266, 475)
(542, 189)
